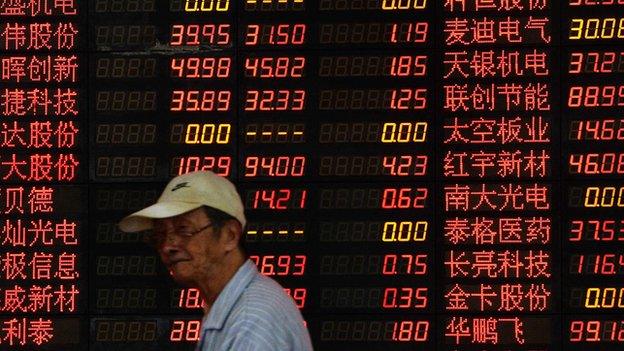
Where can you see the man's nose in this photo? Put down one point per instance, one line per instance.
(171, 244)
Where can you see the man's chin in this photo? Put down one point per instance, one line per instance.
(179, 276)
(183, 281)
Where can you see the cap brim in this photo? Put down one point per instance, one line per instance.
(142, 220)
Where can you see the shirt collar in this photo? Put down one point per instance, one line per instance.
(229, 295)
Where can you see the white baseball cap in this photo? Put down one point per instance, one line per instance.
(185, 193)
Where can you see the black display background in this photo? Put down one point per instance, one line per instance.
(110, 198)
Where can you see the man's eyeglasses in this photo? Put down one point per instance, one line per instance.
(157, 238)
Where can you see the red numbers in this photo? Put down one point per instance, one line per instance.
(597, 230)
(602, 130)
(299, 295)
(200, 100)
(608, 60)
(201, 67)
(185, 330)
(409, 32)
(275, 34)
(596, 62)
(404, 264)
(275, 100)
(274, 67)
(576, 63)
(195, 34)
(410, 331)
(409, 99)
(596, 331)
(190, 298)
(577, 331)
(220, 165)
(597, 163)
(280, 166)
(592, 127)
(403, 66)
(596, 96)
(280, 199)
(605, 264)
(404, 198)
(283, 265)
(405, 298)
(405, 165)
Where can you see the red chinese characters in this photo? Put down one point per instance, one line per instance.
(59, 298)
(498, 264)
(20, 265)
(38, 36)
(495, 5)
(19, 233)
(41, 102)
(496, 63)
(39, 138)
(496, 30)
(39, 167)
(496, 97)
(497, 130)
(45, 69)
(498, 297)
(37, 8)
(495, 231)
(497, 197)
(26, 200)
(490, 330)
(503, 164)
(22, 331)
(38, 135)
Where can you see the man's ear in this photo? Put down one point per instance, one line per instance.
(231, 233)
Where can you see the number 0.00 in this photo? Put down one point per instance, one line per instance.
(403, 4)
(206, 5)
(604, 298)
(405, 231)
(604, 196)
(207, 133)
(406, 132)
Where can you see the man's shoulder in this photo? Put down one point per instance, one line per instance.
(265, 293)
(266, 312)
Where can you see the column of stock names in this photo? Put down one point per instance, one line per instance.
(417, 174)
(43, 172)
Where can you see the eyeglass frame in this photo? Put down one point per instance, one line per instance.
(150, 239)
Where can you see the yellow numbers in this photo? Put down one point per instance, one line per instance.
(576, 29)
(604, 298)
(604, 196)
(403, 4)
(596, 28)
(207, 5)
(405, 231)
(207, 133)
(405, 132)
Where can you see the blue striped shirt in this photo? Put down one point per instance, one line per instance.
(253, 313)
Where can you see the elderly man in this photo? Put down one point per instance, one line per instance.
(197, 227)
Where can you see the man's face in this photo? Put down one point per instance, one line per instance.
(190, 258)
